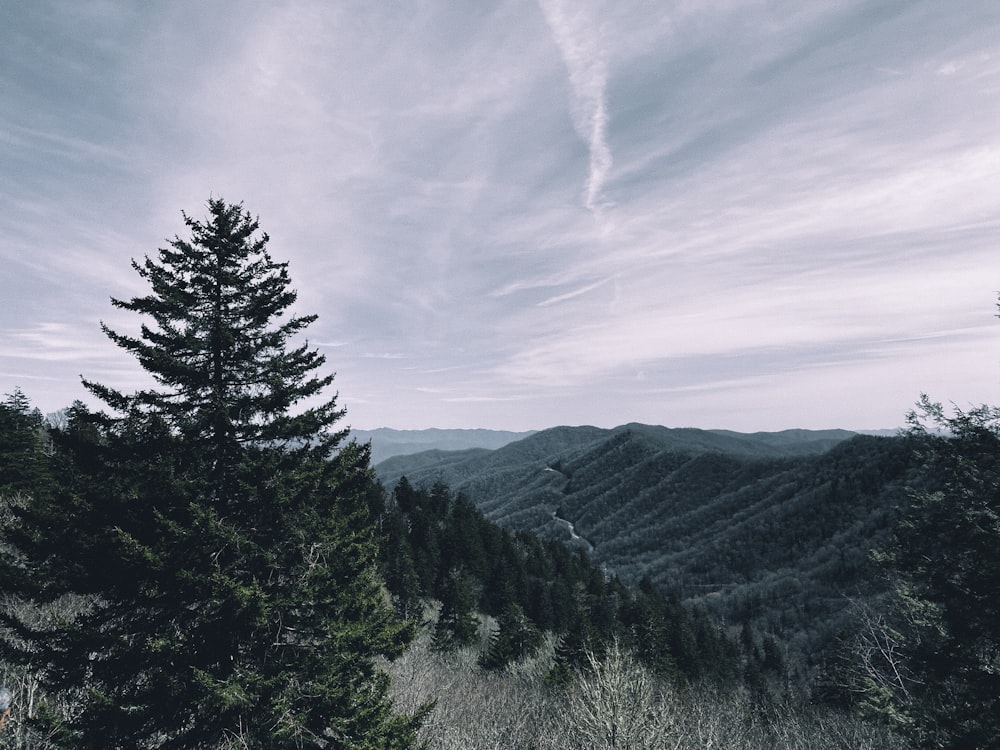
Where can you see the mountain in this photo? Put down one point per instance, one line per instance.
(774, 529)
(513, 469)
(387, 442)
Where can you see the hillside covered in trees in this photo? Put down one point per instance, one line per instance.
(773, 530)
(868, 564)
(438, 546)
(386, 442)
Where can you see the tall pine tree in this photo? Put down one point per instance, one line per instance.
(945, 686)
(23, 447)
(217, 527)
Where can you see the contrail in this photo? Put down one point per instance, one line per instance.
(578, 38)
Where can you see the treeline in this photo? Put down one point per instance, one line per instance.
(25, 447)
(437, 545)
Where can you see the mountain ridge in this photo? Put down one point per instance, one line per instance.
(771, 528)
(553, 441)
(388, 442)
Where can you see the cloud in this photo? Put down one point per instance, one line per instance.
(573, 294)
(50, 342)
(799, 195)
(577, 33)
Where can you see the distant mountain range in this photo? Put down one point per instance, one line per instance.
(419, 454)
(387, 442)
(771, 528)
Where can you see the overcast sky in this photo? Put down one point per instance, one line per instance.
(517, 214)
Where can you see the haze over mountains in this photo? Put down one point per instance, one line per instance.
(774, 529)
(387, 442)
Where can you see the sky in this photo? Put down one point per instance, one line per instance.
(517, 214)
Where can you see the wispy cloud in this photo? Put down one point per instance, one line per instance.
(790, 201)
(573, 294)
(577, 32)
(50, 342)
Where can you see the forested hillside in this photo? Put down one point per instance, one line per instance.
(437, 546)
(532, 619)
(771, 529)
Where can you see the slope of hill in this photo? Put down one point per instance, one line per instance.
(513, 482)
(771, 528)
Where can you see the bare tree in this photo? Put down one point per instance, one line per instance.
(618, 704)
(475, 708)
(613, 703)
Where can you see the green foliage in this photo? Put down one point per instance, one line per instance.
(24, 447)
(529, 585)
(774, 530)
(516, 637)
(457, 624)
(944, 558)
(218, 526)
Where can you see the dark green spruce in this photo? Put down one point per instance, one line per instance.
(24, 448)
(213, 529)
(938, 671)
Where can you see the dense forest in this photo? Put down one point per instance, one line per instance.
(440, 547)
(774, 529)
(213, 563)
(509, 627)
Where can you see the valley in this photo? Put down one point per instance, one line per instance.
(770, 529)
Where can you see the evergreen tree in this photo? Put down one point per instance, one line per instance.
(946, 688)
(464, 537)
(456, 624)
(645, 617)
(218, 527)
(515, 638)
(570, 652)
(24, 446)
(398, 570)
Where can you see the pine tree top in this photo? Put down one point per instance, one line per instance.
(222, 344)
